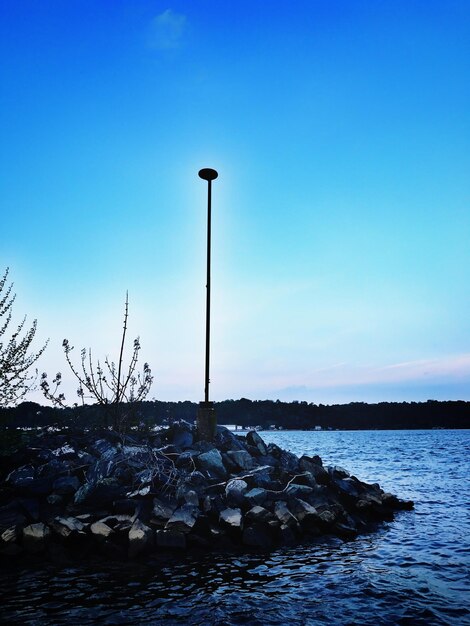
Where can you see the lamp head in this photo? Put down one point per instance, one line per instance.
(208, 174)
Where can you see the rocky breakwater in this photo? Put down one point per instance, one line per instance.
(125, 497)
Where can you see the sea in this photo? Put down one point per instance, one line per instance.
(413, 570)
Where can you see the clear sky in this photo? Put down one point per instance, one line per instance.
(341, 215)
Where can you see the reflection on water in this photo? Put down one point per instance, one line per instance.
(412, 571)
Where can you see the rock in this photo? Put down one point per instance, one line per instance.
(327, 517)
(163, 510)
(21, 476)
(67, 526)
(35, 537)
(310, 464)
(257, 495)
(344, 531)
(104, 492)
(101, 530)
(191, 497)
(66, 485)
(182, 434)
(289, 462)
(9, 541)
(242, 459)
(235, 490)
(260, 476)
(281, 511)
(298, 491)
(303, 511)
(171, 539)
(286, 535)
(211, 462)
(225, 440)
(232, 518)
(54, 499)
(256, 537)
(336, 471)
(255, 440)
(102, 468)
(11, 515)
(183, 519)
(140, 538)
(259, 514)
(103, 449)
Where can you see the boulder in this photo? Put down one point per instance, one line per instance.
(35, 537)
(257, 495)
(182, 434)
(101, 530)
(242, 459)
(225, 440)
(103, 449)
(235, 490)
(260, 476)
(163, 510)
(298, 491)
(211, 463)
(253, 439)
(256, 536)
(104, 492)
(67, 527)
(140, 538)
(258, 514)
(171, 539)
(232, 518)
(183, 519)
(288, 461)
(285, 517)
(11, 514)
(303, 511)
(9, 541)
(66, 485)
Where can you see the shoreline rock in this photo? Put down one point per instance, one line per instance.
(125, 498)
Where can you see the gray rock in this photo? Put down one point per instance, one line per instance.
(255, 440)
(303, 511)
(235, 490)
(327, 517)
(260, 476)
(281, 511)
(336, 471)
(257, 495)
(67, 526)
(35, 537)
(171, 539)
(101, 530)
(21, 476)
(66, 485)
(183, 519)
(289, 462)
(259, 514)
(211, 462)
(225, 440)
(298, 491)
(9, 541)
(140, 538)
(242, 459)
(232, 518)
(182, 434)
(191, 497)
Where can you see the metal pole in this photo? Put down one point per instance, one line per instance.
(209, 175)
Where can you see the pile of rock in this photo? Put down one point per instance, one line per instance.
(123, 498)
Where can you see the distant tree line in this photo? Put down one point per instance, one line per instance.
(264, 413)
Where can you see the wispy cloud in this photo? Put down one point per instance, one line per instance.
(167, 30)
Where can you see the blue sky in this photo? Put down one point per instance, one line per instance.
(341, 217)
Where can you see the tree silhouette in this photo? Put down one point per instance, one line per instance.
(16, 357)
(112, 385)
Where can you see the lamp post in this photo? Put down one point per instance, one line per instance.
(206, 418)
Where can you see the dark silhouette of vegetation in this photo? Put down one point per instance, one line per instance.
(16, 356)
(116, 388)
(264, 413)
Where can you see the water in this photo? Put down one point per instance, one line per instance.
(414, 570)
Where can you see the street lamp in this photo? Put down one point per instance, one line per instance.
(206, 418)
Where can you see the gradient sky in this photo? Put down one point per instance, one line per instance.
(341, 215)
